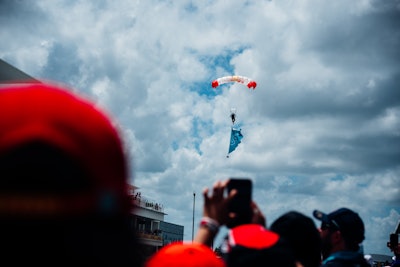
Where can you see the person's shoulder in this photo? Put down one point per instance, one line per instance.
(346, 259)
(342, 263)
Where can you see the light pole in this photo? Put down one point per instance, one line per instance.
(194, 199)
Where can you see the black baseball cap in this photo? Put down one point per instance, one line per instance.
(348, 222)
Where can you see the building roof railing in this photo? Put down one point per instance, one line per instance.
(146, 203)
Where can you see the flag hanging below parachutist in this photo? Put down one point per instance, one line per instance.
(236, 138)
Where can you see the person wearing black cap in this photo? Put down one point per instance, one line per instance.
(342, 232)
(303, 236)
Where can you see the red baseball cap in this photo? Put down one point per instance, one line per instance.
(54, 115)
(254, 245)
(252, 236)
(180, 254)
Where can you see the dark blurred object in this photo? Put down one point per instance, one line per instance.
(10, 74)
(394, 241)
(394, 246)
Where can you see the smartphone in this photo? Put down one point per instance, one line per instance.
(240, 205)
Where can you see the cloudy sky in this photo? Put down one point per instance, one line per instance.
(321, 130)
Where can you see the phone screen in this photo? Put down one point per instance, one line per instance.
(241, 203)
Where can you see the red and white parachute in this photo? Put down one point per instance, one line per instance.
(239, 79)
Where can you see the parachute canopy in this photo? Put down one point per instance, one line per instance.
(239, 79)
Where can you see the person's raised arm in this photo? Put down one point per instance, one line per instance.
(215, 212)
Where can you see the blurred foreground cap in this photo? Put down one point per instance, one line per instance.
(54, 117)
(185, 255)
(346, 220)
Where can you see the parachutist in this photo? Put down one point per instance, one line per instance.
(233, 117)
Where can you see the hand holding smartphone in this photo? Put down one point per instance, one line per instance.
(240, 205)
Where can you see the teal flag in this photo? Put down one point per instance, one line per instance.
(236, 138)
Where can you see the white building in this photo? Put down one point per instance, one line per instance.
(148, 221)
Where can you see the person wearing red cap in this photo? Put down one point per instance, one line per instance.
(248, 244)
(180, 254)
(63, 181)
(342, 232)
